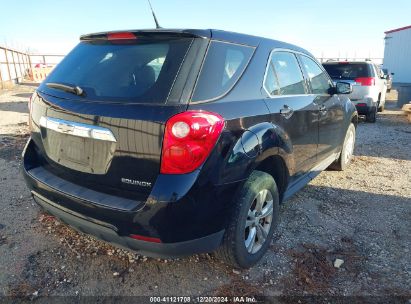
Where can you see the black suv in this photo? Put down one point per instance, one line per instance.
(174, 142)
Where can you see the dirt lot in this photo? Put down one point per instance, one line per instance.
(361, 216)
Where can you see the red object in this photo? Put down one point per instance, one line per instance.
(145, 238)
(361, 104)
(189, 138)
(398, 29)
(366, 81)
(121, 36)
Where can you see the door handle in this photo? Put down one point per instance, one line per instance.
(286, 112)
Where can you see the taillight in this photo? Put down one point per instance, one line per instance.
(365, 81)
(189, 138)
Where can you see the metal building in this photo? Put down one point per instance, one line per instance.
(397, 53)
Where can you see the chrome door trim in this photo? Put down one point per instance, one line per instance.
(77, 129)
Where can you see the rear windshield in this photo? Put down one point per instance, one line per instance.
(348, 70)
(140, 72)
(223, 66)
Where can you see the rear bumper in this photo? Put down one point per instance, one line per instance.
(104, 232)
(184, 216)
(364, 109)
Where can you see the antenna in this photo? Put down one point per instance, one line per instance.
(154, 16)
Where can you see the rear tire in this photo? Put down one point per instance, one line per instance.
(249, 232)
(347, 150)
(372, 115)
(379, 108)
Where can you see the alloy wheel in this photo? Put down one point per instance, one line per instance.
(349, 147)
(259, 220)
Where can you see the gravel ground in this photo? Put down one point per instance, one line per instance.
(361, 216)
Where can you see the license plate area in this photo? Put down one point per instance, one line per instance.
(74, 150)
(81, 147)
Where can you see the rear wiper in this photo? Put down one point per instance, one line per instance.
(66, 88)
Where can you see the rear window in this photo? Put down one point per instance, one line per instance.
(223, 66)
(348, 70)
(137, 72)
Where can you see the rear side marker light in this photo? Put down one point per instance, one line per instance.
(145, 238)
(121, 36)
(189, 138)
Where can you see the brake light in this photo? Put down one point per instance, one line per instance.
(189, 138)
(366, 81)
(121, 36)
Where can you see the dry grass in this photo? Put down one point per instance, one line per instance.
(313, 268)
(22, 290)
(239, 287)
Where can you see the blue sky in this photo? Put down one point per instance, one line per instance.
(325, 27)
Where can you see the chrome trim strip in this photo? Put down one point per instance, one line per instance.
(77, 129)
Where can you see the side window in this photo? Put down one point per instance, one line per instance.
(371, 70)
(223, 66)
(270, 82)
(378, 71)
(320, 83)
(284, 76)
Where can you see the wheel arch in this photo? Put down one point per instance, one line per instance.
(277, 168)
(354, 119)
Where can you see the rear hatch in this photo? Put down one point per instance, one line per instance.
(98, 119)
(359, 74)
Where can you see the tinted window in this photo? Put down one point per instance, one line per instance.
(223, 66)
(143, 71)
(378, 70)
(320, 83)
(348, 70)
(271, 82)
(288, 72)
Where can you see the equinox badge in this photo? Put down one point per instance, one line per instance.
(135, 182)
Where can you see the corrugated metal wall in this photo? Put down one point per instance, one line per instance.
(397, 55)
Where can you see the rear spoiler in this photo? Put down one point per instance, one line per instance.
(155, 33)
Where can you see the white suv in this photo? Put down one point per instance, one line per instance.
(368, 82)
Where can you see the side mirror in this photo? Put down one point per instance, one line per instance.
(343, 88)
